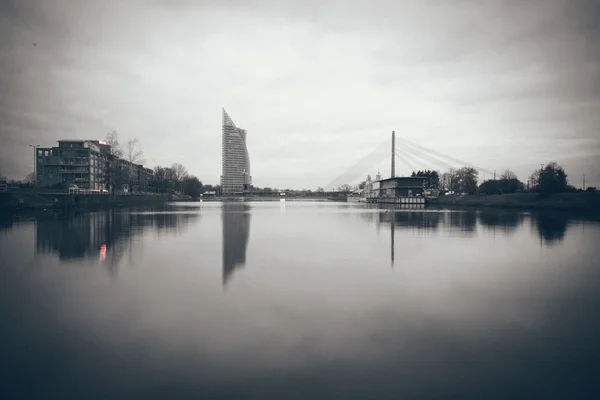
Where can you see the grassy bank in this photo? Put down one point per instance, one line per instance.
(28, 200)
(585, 202)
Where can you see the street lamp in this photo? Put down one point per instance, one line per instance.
(35, 146)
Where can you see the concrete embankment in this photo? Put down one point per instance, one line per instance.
(583, 202)
(41, 200)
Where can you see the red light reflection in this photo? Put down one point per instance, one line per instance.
(103, 252)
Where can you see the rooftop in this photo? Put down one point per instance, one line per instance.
(403, 178)
(81, 140)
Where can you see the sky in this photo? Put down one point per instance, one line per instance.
(317, 84)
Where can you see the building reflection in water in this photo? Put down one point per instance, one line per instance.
(409, 217)
(236, 232)
(413, 217)
(103, 235)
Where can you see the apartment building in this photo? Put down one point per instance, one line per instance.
(89, 165)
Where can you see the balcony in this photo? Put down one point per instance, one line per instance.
(49, 161)
(76, 162)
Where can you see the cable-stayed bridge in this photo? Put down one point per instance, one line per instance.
(410, 154)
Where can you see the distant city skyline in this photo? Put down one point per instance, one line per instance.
(500, 84)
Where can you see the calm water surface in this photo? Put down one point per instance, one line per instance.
(299, 300)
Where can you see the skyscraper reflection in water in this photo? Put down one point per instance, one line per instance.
(236, 232)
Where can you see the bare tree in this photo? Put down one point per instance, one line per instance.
(114, 173)
(345, 188)
(449, 180)
(133, 152)
(534, 180)
(2, 177)
(179, 172)
(30, 178)
(508, 174)
(112, 139)
(445, 180)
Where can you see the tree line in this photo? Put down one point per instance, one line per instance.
(176, 179)
(28, 182)
(118, 174)
(550, 179)
(173, 179)
(547, 180)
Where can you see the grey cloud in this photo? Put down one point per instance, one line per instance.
(322, 82)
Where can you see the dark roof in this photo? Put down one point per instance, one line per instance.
(404, 178)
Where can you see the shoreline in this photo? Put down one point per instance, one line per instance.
(16, 201)
(573, 202)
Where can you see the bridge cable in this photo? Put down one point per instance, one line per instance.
(408, 156)
(361, 165)
(405, 162)
(429, 158)
(456, 160)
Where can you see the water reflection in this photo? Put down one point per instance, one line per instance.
(322, 315)
(9, 220)
(103, 235)
(551, 227)
(236, 232)
(464, 221)
(508, 222)
(422, 221)
(425, 221)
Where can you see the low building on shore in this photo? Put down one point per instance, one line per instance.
(400, 187)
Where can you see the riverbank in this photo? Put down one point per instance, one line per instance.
(29, 200)
(270, 198)
(582, 202)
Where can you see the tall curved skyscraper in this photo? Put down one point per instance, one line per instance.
(236, 161)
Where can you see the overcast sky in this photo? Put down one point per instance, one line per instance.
(317, 84)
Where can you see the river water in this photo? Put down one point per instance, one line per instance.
(293, 300)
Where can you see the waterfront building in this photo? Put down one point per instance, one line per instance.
(90, 165)
(235, 178)
(400, 187)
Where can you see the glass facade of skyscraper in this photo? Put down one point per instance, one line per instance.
(236, 161)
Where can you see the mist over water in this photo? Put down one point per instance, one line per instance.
(299, 300)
